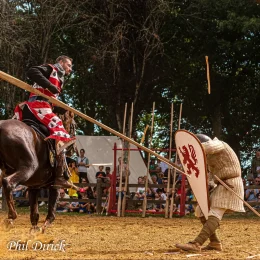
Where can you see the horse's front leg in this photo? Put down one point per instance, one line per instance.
(34, 210)
(53, 195)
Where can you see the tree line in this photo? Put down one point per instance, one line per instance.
(140, 52)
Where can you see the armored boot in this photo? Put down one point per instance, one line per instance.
(214, 243)
(62, 175)
(207, 231)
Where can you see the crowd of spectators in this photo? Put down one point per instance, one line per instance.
(253, 179)
(159, 174)
(85, 192)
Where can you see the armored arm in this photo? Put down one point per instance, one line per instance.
(40, 75)
(213, 146)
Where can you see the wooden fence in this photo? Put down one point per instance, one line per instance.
(130, 201)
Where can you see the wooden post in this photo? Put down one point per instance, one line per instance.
(128, 162)
(112, 189)
(174, 172)
(148, 166)
(183, 196)
(119, 203)
(169, 170)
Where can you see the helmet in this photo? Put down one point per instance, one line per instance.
(203, 138)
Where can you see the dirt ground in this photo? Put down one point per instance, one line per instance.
(110, 237)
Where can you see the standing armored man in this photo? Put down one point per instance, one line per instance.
(49, 80)
(222, 162)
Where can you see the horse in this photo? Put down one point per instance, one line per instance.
(24, 159)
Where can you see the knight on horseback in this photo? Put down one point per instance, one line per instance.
(49, 80)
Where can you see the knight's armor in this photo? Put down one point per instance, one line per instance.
(48, 80)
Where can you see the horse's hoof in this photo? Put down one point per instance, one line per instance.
(34, 230)
(9, 223)
(46, 224)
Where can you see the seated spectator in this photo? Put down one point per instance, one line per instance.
(104, 204)
(144, 179)
(140, 191)
(257, 181)
(165, 182)
(74, 205)
(88, 189)
(177, 198)
(164, 166)
(159, 171)
(152, 167)
(108, 175)
(139, 181)
(154, 189)
(251, 194)
(178, 174)
(85, 207)
(82, 204)
(255, 164)
(84, 182)
(108, 180)
(19, 191)
(160, 196)
(160, 178)
(90, 193)
(117, 189)
(84, 186)
(74, 178)
(24, 203)
(258, 200)
(124, 167)
(44, 193)
(63, 206)
(101, 174)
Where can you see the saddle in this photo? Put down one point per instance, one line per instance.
(43, 131)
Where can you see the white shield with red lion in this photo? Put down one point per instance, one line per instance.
(193, 160)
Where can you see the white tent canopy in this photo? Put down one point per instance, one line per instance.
(99, 149)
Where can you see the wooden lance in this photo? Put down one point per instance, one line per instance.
(57, 102)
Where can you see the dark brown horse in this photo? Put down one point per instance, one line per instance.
(24, 159)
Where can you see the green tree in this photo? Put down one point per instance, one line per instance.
(228, 32)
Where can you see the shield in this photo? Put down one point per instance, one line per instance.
(193, 160)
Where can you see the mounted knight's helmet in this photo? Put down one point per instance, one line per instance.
(203, 138)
